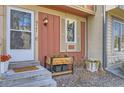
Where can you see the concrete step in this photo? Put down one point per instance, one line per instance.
(8, 83)
(11, 75)
(39, 83)
(33, 78)
(23, 64)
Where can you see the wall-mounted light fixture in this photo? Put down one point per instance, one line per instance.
(45, 21)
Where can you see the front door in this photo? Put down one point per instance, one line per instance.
(20, 34)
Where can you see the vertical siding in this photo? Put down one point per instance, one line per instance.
(83, 38)
(1, 28)
(50, 29)
(49, 38)
(56, 37)
(1, 10)
(42, 38)
(1, 33)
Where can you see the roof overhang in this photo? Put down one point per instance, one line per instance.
(117, 12)
(69, 9)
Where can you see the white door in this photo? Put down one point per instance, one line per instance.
(20, 34)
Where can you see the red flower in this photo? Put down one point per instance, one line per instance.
(4, 58)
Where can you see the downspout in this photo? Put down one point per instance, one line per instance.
(104, 38)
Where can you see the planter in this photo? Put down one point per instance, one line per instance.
(4, 67)
(92, 66)
(64, 67)
(59, 65)
(57, 68)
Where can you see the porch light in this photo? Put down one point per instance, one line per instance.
(45, 21)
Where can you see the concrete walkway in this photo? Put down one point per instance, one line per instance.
(83, 78)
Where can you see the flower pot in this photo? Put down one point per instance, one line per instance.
(4, 67)
(92, 66)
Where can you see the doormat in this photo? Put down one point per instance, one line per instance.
(29, 68)
(1, 78)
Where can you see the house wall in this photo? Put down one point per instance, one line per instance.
(48, 36)
(3, 12)
(1, 29)
(52, 37)
(37, 9)
(95, 35)
(109, 39)
(51, 50)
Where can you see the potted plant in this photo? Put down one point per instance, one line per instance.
(4, 63)
(92, 65)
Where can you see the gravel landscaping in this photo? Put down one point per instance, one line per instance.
(84, 78)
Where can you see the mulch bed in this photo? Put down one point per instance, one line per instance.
(84, 78)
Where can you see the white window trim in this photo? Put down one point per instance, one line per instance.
(75, 33)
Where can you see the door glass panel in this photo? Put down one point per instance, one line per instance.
(71, 31)
(20, 40)
(20, 20)
(20, 28)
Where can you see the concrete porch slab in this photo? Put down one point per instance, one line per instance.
(116, 70)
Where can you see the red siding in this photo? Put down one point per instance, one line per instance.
(42, 38)
(56, 35)
(49, 37)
